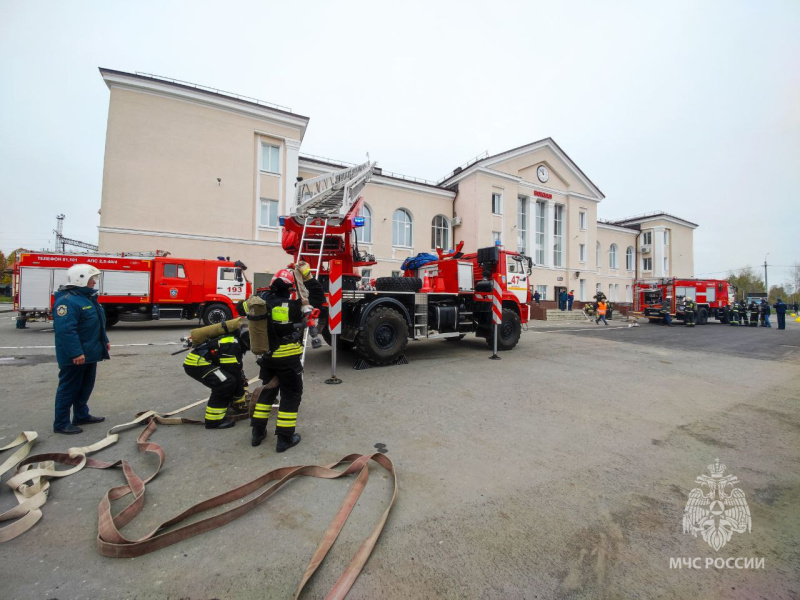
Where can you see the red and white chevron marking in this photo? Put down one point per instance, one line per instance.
(335, 289)
(497, 301)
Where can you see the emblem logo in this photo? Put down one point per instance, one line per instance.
(61, 310)
(716, 514)
(173, 293)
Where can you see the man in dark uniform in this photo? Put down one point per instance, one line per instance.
(282, 362)
(734, 318)
(765, 311)
(217, 364)
(780, 310)
(688, 312)
(79, 323)
(743, 313)
(666, 317)
(753, 314)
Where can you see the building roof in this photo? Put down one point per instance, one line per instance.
(211, 95)
(494, 157)
(653, 216)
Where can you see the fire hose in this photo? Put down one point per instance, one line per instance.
(31, 482)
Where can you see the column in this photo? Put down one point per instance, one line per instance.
(658, 251)
(549, 225)
(290, 174)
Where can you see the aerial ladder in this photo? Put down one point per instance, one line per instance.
(328, 204)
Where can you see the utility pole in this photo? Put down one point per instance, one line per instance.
(766, 281)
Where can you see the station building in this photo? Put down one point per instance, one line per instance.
(203, 173)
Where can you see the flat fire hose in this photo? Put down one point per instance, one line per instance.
(30, 484)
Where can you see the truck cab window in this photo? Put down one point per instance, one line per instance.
(173, 270)
(229, 275)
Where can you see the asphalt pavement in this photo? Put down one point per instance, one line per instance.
(560, 471)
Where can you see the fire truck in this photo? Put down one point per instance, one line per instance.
(135, 286)
(712, 296)
(445, 299)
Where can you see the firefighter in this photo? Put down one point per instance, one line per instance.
(217, 364)
(316, 299)
(688, 312)
(282, 362)
(743, 313)
(734, 314)
(753, 314)
(666, 317)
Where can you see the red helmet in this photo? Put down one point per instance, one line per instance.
(286, 275)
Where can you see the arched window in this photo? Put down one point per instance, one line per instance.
(364, 234)
(598, 255)
(402, 228)
(440, 233)
(629, 258)
(612, 256)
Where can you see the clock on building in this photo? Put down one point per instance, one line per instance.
(542, 173)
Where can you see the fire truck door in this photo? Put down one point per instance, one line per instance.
(517, 279)
(230, 283)
(173, 286)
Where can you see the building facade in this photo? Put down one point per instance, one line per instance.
(201, 174)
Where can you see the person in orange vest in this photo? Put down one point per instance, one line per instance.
(602, 306)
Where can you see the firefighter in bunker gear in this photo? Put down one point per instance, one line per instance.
(753, 314)
(666, 317)
(217, 364)
(733, 318)
(743, 313)
(688, 312)
(282, 362)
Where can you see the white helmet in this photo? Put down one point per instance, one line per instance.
(80, 275)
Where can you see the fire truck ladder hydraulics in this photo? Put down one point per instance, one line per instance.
(326, 198)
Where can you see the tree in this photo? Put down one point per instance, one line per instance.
(3, 267)
(775, 292)
(746, 280)
(794, 282)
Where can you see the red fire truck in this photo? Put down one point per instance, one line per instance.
(445, 299)
(711, 295)
(136, 286)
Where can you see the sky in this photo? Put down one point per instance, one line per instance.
(692, 108)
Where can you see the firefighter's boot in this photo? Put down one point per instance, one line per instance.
(224, 424)
(259, 434)
(286, 441)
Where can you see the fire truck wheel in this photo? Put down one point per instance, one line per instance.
(111, 319)
(326, 335)
(702, 316)
(384, 337)
(510, 330)
(398, 284)
(216, 313)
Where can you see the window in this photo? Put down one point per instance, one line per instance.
(558, 234)
(270, 158)
(598, 252)
(440, 232)
(497, 203)
(496, 238)
(582, 253)
(269, 213)
(366, 275)
(542, 289)
(397, 274)
(647, 264)
(612, 256)
(364, 234)
(629, 258)
(666, 265)
(402, 228)
(628, 297)
(647, 238)
(522, 224)
(582, 290)
(598, 289)
(173, 270)
(666, 237)
(227, 274)
(582, 220)
(540, 210)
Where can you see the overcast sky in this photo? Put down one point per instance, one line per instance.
(692, 108)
